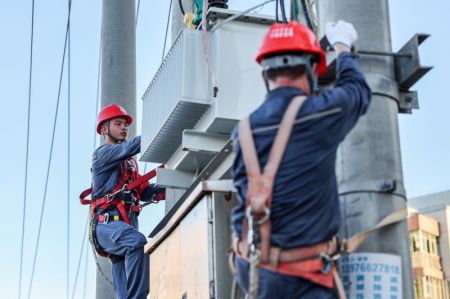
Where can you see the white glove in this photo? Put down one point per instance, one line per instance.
(341, 33)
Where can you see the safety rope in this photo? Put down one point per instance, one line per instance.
(51, 152)
(27, 150)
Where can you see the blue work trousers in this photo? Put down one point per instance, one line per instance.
(273, 285)
(131, 275)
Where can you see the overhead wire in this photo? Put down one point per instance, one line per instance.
(283, 12)
(80, 257)
(167, 30)
(27, 150)
(68, 162)
(277, 18)
(137, 11)
(307, 15)
(163, 51)
(86, 255)
(51, 151)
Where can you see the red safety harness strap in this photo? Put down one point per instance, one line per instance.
(142, 179)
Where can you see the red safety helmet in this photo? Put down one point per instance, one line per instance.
(110, 112)
(292, 37)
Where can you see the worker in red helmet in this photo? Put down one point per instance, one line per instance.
(114, 226)
(287, 218)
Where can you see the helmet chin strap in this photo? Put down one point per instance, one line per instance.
(111, 136)
(313, 80)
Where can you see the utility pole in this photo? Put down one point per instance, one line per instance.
(369, 163)
(118, 85)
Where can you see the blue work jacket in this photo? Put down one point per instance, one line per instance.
(106, 162)
(305, 203)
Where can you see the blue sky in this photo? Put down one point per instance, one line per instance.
(424, 134)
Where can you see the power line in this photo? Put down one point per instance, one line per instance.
(163, 51)
(137, 11)
(167, 29)
(85, 271)
(51, 151)
(27, 148)
(80, 257)
(68, 163)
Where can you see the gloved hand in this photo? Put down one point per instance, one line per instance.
(341, 33)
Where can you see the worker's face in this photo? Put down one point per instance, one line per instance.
(118, 128)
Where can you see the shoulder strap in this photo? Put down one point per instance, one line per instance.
(282, 138)
(276, 153)
(248, 148)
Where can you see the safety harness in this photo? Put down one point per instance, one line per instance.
(124, 197)
(315, 263)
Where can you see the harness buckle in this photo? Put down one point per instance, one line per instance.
(109, 198)
(249, 215)
(327, 261)
(103, 218)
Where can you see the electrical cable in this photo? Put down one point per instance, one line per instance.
(291, 11)
(306, 13)
(80, 257)
(238, 15)
(137, 11)
(68, 163)
(167, 29)
(211, 69)
(164, 47)
(27, 148)
(180, 3)
(85, 272)
(276, 12)
(51, 152)
(283, 12)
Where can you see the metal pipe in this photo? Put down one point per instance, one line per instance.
(370, 155)
(118, 84)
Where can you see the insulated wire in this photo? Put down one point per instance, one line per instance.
(180, 3)
(85, 271)
(80, 258)
(163, 51)
(211, 69)
(306, 14)
(277, 19)
(167, 29)
(137, 11)
(68, 160)
(51, 152)
(27, 148)
(283, 12)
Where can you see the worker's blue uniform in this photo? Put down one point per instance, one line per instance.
(305, 204)
(130, 276)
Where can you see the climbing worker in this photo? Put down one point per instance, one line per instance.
(285, 223)
(117, 188)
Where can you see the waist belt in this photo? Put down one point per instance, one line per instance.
(314, 263)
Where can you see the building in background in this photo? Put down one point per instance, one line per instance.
(429, 229)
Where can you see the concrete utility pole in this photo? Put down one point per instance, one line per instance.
(118, 84)
(369, 164)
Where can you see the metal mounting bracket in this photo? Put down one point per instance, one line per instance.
(408, 69)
